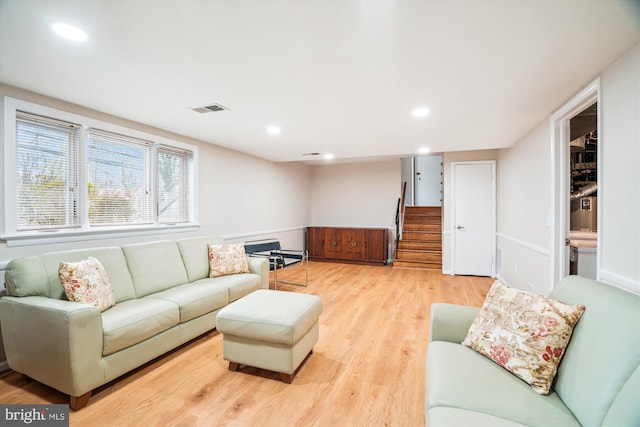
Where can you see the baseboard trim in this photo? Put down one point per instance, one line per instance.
(4, 366)
(227, 237)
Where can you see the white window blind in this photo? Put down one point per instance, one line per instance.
(47, 192)
(174, 172)
(71, 177)
(119, 179)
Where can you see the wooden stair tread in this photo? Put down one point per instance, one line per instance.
(423, 210)
(423, 236)
(416, 264)
(421, 243)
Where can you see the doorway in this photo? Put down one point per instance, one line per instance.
(575, 186)
(583, 190)
(423, 176)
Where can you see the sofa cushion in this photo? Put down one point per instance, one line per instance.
(27, 276)
(155, 266)
(195, 255)
(237, 285)
(227, 259)
(448, 416)
(458, 377)
(523, 332)
(38, 275)
(86, 282)
(195, 299)
(133, 321)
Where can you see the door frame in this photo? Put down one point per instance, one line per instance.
(560, 179)
(493, 212)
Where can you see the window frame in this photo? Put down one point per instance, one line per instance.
(9, 233)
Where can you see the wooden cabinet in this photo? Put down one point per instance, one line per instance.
(357, 245)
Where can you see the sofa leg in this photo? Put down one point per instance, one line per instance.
(79, 402)
(233, 366)
(286, 378)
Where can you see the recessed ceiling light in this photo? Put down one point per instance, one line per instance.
(69, 32)
(273, 130)
(420, 112)
(423, 150)
(328, 156)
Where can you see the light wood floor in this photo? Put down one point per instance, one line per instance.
(367, 369)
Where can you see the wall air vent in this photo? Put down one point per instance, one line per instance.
(209, 108)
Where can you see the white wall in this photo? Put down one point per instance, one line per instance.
(523, 238)
(407, 174)
(243, 197)
(620, 176)
(355, 195)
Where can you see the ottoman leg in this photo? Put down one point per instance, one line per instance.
(288, 378)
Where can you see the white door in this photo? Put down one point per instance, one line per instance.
(429, 181)
(473, 218)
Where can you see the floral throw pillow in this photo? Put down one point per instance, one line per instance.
(86, 281)
(524, 333)
(227, 259)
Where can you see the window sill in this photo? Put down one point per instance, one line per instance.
(46, 237)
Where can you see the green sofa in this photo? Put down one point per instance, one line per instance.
(598, 380)
(164, 298)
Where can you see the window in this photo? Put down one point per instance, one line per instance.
(73, 174)
(174, 173)
(119, 181)
(47, 165)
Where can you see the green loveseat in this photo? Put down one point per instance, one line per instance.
(598, 380)
(164, 298)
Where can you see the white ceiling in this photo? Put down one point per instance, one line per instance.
(338, 77)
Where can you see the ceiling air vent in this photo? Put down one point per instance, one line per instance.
(209, 108)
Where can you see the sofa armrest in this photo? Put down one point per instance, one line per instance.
(260, 265)
(56, 342)
(450, 322)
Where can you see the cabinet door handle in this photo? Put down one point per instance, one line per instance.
(354, 244)
(333, 243)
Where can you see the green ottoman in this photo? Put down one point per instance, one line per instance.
(267, 329)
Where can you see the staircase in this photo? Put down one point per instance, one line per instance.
(421, 242)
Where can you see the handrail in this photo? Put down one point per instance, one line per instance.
(402, 204)
(397, 227)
